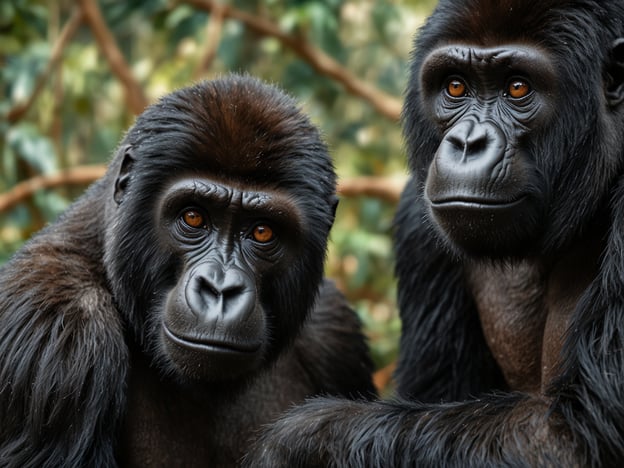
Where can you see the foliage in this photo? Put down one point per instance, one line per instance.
(81, 105)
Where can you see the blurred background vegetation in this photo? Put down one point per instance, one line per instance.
(74, 74)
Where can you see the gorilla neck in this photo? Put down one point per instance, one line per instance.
(525, 306)
(162, 412)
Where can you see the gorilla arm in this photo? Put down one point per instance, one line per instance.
(62, 356)
(493, 431)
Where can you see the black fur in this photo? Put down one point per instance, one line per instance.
(454, 407)
(84, 378)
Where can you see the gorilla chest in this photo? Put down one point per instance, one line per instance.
(524, 311)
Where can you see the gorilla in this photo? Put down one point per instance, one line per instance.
(170, 311)
(510, 252)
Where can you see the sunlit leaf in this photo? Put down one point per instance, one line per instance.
(29, 144)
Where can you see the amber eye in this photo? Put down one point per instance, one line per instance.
(263, 233)
(518, 89)
(456, 88)
(193, 218)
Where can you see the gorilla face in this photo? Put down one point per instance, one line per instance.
(230, 240)
(219, 222)
(481, 184)
(500, 127)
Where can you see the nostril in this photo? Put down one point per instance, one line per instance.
(219, 294)
(476, 144)
(459, 136)
(464, 147)
(470, 140)
(457, 142)
(205, 286)
(228, 289)
(233, 291)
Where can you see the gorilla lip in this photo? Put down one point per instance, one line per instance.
(203, 344)
(476, 203)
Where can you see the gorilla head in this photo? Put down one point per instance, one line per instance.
(497, 125)
(223, 199)
(170, 311)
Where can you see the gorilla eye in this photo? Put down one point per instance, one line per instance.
(456, 88)
(193, 218)
(518, 89)
(262, 233)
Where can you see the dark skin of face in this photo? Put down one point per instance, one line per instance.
(486, 101)
(228, 239)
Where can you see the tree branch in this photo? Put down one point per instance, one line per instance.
(212, 41)
(384, 103)
(387, 188)
(106, 41)
(81, 175)
(17, 112)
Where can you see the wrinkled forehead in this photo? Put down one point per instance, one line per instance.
(512, 57)
(225, 193)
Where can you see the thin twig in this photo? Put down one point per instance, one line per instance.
(70, 28)
(387, 188)
(384, 103)
(213, 39)
(135, 96)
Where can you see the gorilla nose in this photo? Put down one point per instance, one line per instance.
(467, 158)
(221, 287)
(217, 292)
(473, 143)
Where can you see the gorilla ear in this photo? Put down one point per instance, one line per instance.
(615, 71)
(121, 183)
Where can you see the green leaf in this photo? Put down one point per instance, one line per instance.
(28, 144)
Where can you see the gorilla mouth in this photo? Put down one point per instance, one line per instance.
(476, 203)
(211, 344)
